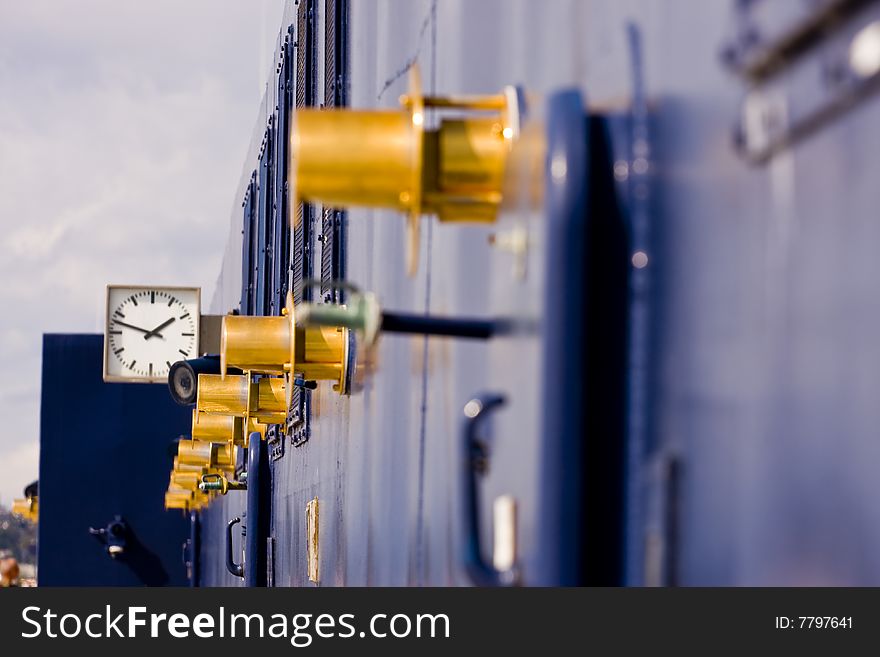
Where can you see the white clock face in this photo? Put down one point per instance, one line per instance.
(147, 330)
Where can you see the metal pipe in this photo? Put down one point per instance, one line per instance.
(363, 314)
(453, 327)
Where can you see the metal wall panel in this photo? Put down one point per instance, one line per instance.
(753, 359)
(104, 452)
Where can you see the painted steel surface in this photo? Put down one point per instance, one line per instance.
(104, 453)
(752, 359)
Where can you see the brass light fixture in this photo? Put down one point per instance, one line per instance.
(200, 469)
(216, 428)
(390, 159)
(184, 487)
(187, 480)
(188, 475)
(27, 508)
(208, 455)
(212, 428)
(277, 345)
(186, 500)
(240, 397)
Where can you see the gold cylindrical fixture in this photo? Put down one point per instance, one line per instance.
(216, 428)
(466, 159)
(226, 395)
(187, 480)
(27, 508)
(180, 498)
(258, 344)
(318, 353)
(253, 425)
(392, 159)
(186, 467)
(271, 400)
(201, 469)
(238, 396)
(191, 452)
(209, 455)
(178, 501)
(356, 157)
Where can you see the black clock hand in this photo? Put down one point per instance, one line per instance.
(156, 330)
(136, 328)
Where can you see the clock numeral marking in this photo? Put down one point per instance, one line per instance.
(168, 363)
(115, 332)
(120, 314)
(187, 335)
(185, 315)
(119, 351)
(132, 364)
(151, 369)
(172, 301)
(152, 297)
(183, 352)
(133, 300)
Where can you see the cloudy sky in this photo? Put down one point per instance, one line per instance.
(123, 130)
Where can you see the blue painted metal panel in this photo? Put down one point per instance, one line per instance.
(747, 449)
(105, 452)
(258, 510)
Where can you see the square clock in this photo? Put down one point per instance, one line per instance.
(148, 328)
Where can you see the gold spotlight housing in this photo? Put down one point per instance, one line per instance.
(389, 159)
(27, 508)
(211, 428)
(240, 397)
(205, 454)
(186, 500)
(276, 345)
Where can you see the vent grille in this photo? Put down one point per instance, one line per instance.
(245, 305)
(332, 219)
(301, 265)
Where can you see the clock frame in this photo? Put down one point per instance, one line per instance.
(149, 294)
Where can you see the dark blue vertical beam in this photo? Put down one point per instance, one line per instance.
(564, 339)
(607, 268)
(258, 511)
(585, 346)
